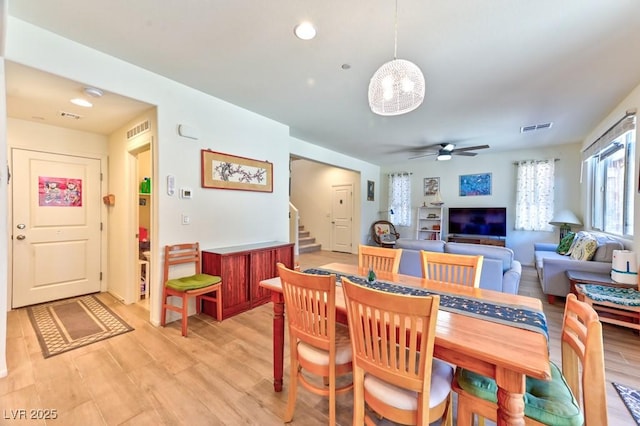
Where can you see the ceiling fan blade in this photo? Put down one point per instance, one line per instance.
(423, 155)
(470, 148)
(434, 147)
(466, 154)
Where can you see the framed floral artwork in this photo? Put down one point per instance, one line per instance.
(225, 171)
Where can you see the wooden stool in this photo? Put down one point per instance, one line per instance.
(622, 302)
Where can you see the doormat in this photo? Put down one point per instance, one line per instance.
(72, 323)
(631, 398)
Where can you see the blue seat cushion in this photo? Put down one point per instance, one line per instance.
(549, 402)
(193, 282)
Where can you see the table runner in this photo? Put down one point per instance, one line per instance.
(502, 313)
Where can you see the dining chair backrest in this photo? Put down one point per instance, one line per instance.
(392, 336)
(452, 268)
(379, 258)
(317, 344)
(575, 394)
(583, 359)
(310, 302)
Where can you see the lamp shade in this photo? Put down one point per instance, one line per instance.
(397, 87)
(565, 217)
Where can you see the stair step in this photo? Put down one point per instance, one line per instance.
(303, 234)
(308, 248)
(306, 240)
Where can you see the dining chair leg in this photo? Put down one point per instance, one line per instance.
(358, 396)
(185, 308)
(163, 315)
(219, 303)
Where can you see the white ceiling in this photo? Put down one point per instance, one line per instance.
(491, 66)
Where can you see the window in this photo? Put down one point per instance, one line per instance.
(611, 165)
(400, 198)
(534, 195)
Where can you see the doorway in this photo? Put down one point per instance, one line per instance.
(142, 188)
(56, 223)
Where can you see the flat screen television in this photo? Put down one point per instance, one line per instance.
(487, 221)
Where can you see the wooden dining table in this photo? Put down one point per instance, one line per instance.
(504, 352)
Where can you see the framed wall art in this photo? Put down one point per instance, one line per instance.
(431, 185)
(225, 171)
(371, 185)
(478, 184)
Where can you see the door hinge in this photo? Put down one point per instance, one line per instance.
(100, 176)
(101, 226)
(100, 276)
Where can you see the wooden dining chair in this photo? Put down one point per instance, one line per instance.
(317, 344)
(552, 402)
(379, 258)
(193, 284)
(394, 371)
(452, 268)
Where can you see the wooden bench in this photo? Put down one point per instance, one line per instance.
(623, 303)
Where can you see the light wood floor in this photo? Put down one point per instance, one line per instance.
(220, 374)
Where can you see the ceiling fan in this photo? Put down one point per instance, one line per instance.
(444, 151)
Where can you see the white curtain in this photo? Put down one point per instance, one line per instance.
(400, 198)
(534, 195)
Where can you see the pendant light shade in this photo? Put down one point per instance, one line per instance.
(396, 88)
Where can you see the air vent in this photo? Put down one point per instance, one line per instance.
(70, 115)
(138, 129)
(525, 129)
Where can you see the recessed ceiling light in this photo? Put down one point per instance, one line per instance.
(305, 31)
(81, 102)
(93, 92)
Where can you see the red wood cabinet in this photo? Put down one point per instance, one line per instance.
(242, 268)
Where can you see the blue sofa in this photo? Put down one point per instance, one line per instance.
(552, 267)
(500, 271)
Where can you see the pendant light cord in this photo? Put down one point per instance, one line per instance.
(395, 29)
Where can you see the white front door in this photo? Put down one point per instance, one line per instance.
(341, 217)
(56, 226)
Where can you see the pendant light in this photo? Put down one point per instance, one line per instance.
(397, 87)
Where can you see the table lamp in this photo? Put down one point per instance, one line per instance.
(565, 220)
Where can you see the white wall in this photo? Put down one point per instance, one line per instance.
(503, 174)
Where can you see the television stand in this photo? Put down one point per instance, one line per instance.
(470, 239)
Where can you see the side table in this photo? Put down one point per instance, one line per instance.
(584, 277)
(592, 288)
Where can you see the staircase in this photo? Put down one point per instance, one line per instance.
(306, 243)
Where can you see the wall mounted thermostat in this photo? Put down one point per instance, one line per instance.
(171, 184)
(185, 193)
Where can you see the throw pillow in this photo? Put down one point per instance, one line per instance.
(576, 240)
(585, 249)
(565, 243)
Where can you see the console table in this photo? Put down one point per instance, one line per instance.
(242, 268)
(476, 240)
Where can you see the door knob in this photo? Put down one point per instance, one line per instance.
(21, 237)
(21, 226)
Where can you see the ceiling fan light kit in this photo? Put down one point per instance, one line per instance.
(398, 86)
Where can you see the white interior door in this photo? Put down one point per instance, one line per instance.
(341, 217)
(56, 226)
